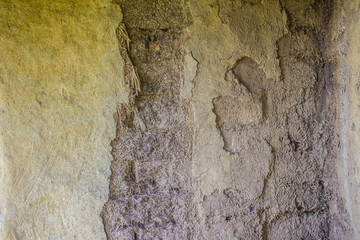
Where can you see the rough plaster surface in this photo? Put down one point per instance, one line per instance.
(281, 134)
(348, 76)
(234, 134)
(60, 81)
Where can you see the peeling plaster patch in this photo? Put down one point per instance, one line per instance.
(254, 152)
(234, 111)
(190, 71)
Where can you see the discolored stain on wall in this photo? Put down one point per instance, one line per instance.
(60, 81)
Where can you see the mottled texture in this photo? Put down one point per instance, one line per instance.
(245, 126)
(60, 81)
(236, 128)
(150, 190)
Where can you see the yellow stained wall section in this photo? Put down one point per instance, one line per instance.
(60, 80)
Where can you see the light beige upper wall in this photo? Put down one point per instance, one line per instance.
(349, 81)
(61, 76)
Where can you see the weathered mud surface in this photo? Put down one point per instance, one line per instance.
(249, 155)
(150, 191)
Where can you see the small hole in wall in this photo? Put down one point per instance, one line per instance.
(252, 209)
(141, 226)
(228, 218)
